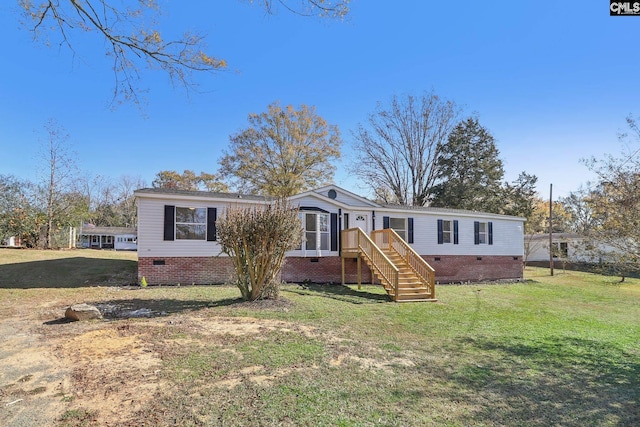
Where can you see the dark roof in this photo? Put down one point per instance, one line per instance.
(444, 210)
(235, 196)
(210, 194)
(107, 231)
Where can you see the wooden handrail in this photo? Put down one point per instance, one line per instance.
(389, 239)
(354, 239)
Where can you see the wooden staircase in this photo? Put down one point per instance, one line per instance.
(410, 285)
(403, 273)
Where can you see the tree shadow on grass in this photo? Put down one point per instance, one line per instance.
(558, 381)
(338, 292)
(73, 272)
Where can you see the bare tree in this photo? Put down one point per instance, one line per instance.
(132, 37)
(58, 168)
(112, 202)
(398, 150)
(613, 204)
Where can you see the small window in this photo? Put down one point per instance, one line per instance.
(560, 250)
(482, 233)
(446, 232)
(191, 223)
(399, 225)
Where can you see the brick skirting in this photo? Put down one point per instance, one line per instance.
(472, 268)
(211, 270)
(185, 270)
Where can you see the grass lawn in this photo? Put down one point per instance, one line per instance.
(562, 350)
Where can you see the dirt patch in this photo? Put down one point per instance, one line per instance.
(53, 369)
(104, 372)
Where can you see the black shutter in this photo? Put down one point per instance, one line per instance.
(410, 230)
(385, 222)
(169, 222)
(346, 221)
(334, 231)
(440, 235)
(455, 231)
(212, 217)
(476, 233)
(491, 233)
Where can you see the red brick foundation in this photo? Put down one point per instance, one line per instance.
(471, 268)
(210, 270)
(185, 270)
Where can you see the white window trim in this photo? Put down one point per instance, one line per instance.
(176, 223)
(318, 233)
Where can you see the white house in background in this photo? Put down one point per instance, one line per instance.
(177, 240)
(12, 242)
(569, 247)
(118, 238)
(565, 246)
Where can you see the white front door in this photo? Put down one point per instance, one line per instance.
(362, 221)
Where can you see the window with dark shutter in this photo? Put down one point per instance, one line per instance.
(212, 217)
(410, 230)
(385, 222)
(334, 232)
(476, 232)
(169, 221)
(491, 233)
(455, 232)
(440, 233)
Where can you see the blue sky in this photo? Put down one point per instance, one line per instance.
(552, 81)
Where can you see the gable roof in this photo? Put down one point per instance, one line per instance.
(327, 188)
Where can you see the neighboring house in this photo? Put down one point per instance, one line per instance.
(118, 238)
(567, 247)
(177, 237)
(12, 242)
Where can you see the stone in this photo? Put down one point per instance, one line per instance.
(82, 312)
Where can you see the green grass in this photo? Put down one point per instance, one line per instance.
(24, 269)
(550, 351)
(562, 350)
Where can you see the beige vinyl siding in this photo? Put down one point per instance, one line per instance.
(151, 241)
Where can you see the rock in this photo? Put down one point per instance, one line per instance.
(82, 312)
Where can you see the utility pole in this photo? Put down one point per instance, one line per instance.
(551, 228)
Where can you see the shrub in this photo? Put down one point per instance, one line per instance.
(256, 238)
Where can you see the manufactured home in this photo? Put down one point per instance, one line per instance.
(346, 238)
